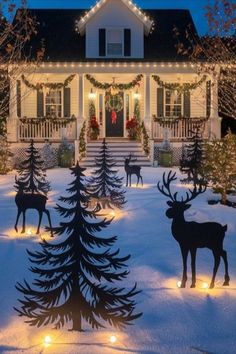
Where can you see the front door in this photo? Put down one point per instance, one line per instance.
(114, 106)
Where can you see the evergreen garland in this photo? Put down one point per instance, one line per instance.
(146, 147)
(105, 185)
(31, 172)
(120, 87)
(82, 142)
(50, 85)
(5, 155)
(179, 87)
(73, 275)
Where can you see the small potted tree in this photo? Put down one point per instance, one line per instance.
(93, 128)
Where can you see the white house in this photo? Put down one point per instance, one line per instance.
(112, 62)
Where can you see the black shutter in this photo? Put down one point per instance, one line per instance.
(39, 103)
(66, 92)
(208, 98)
(187, 104)
(127, 42)
(160, 102)
(18, 98)
(102, 42)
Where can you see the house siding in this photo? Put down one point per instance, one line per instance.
(114, 14)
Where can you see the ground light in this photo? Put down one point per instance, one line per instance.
(47, 341)
(205, 285)
(178, 284)
(113, 339)
(29, 232)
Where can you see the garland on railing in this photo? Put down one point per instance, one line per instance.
(146, 147)
(54, 120)
(49, 85)
(170, 121)
(82, 142)
(121, 87)
(179, 87)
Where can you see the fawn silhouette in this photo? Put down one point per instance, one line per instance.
(192, 235)
(132, 170)
(26, 201)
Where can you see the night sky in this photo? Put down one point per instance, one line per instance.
(195, 6)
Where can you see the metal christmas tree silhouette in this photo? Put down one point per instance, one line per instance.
(73, 275)
(31, 173)
(105, 185)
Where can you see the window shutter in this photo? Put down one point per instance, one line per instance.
(187, 104)
(66, 101)
(102, 42)
(18, 98)
(208, 98)
(160, 102)
(127, 42)
(39, 103)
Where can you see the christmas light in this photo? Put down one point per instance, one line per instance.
(29, 232)
(178, 284)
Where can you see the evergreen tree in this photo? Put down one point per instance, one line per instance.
(31, 172)
(105, 184)
(219, 166)
(191, 161)
(74, 275)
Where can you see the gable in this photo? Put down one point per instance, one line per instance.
(114, 5)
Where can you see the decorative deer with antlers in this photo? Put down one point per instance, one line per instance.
(26, 201)
(193, 235)
(132, 170)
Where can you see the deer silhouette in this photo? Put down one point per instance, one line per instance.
(192, 235)
(26, 201)
(132, 170)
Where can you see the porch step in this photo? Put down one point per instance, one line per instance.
(119, 148)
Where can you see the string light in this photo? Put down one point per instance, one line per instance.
(29, 232)
(113, 339)
(205, 285)
(178, 284)
(47, 341)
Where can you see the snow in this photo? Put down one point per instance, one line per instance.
(179, 321)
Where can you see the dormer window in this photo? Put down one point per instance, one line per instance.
(114, 42)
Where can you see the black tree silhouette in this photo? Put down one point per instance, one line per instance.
(74, 275)
(191, 161)
(105, 185)
(31, 174)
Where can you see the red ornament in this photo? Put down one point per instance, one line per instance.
(113, 117)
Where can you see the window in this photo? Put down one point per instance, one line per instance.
(173, 103)
(115, 42)
(53, 103)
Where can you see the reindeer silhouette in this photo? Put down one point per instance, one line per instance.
(132, 170)
(193, 235)
(26, 201)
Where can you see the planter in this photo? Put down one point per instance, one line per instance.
(165, 158)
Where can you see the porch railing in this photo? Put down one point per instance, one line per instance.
(34, 129)
(180, 129)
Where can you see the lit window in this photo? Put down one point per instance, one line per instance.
(53, 103)
(173, 103)
(114, 42)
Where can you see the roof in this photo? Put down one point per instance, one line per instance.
(147, 23)
(63, 44)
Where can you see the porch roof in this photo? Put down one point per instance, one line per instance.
(62, 43)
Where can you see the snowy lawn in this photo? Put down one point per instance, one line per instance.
(175, 321)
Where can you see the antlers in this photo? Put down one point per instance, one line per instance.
(165, 188)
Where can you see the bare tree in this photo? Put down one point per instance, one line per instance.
(215, 53)
(17, 26)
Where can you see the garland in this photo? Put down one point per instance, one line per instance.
(146, 147)
(121, 87)
(170, 121)
(51, 86)
(55, 120)
(82, 142)
(179, 87)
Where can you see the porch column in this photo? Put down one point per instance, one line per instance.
(12, 120)
(80, 118)
(147, 116)
(215, 120)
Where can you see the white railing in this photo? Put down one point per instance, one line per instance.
(50, 130)
(179, 130)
